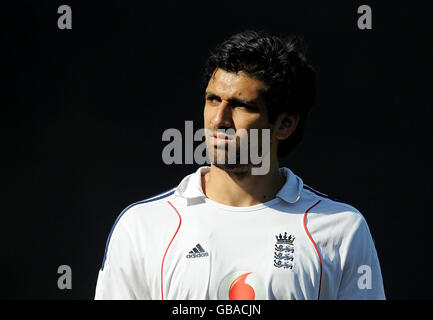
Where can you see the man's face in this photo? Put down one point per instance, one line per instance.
(233, 101)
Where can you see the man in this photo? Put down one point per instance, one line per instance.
(225, 233)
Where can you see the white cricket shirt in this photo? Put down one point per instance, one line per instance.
(182, 245)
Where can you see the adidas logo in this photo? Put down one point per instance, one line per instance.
(197, 252)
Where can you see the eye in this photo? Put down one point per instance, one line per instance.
(212, 98)
(245, 107)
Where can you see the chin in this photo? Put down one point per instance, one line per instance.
(233, 168)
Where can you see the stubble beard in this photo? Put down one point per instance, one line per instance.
(220, 158)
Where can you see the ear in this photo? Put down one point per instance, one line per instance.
(286, 125)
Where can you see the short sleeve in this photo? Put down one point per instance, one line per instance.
(361, 273)
(119, 277)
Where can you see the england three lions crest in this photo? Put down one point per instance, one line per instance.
(284, 249)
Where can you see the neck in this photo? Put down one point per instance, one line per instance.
(242, 189)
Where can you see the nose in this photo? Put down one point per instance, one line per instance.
(223, 116)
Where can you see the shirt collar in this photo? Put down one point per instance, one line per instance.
(292, 188)
(190, 186)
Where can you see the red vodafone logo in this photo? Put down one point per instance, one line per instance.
(239, 290)
(242, 285)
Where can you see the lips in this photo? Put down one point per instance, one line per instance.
(220, 139)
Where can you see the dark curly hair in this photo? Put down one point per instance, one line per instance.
(289, 80)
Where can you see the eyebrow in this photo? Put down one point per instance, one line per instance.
(238, 101)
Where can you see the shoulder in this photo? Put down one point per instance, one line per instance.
(137, 218)
(149, 208)
(337, 226)
(331, 215)
(328, 203)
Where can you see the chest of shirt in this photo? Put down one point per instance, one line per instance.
(238, 255)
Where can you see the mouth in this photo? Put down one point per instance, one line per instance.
(219, 139)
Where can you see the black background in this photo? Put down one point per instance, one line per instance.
(84, 111)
